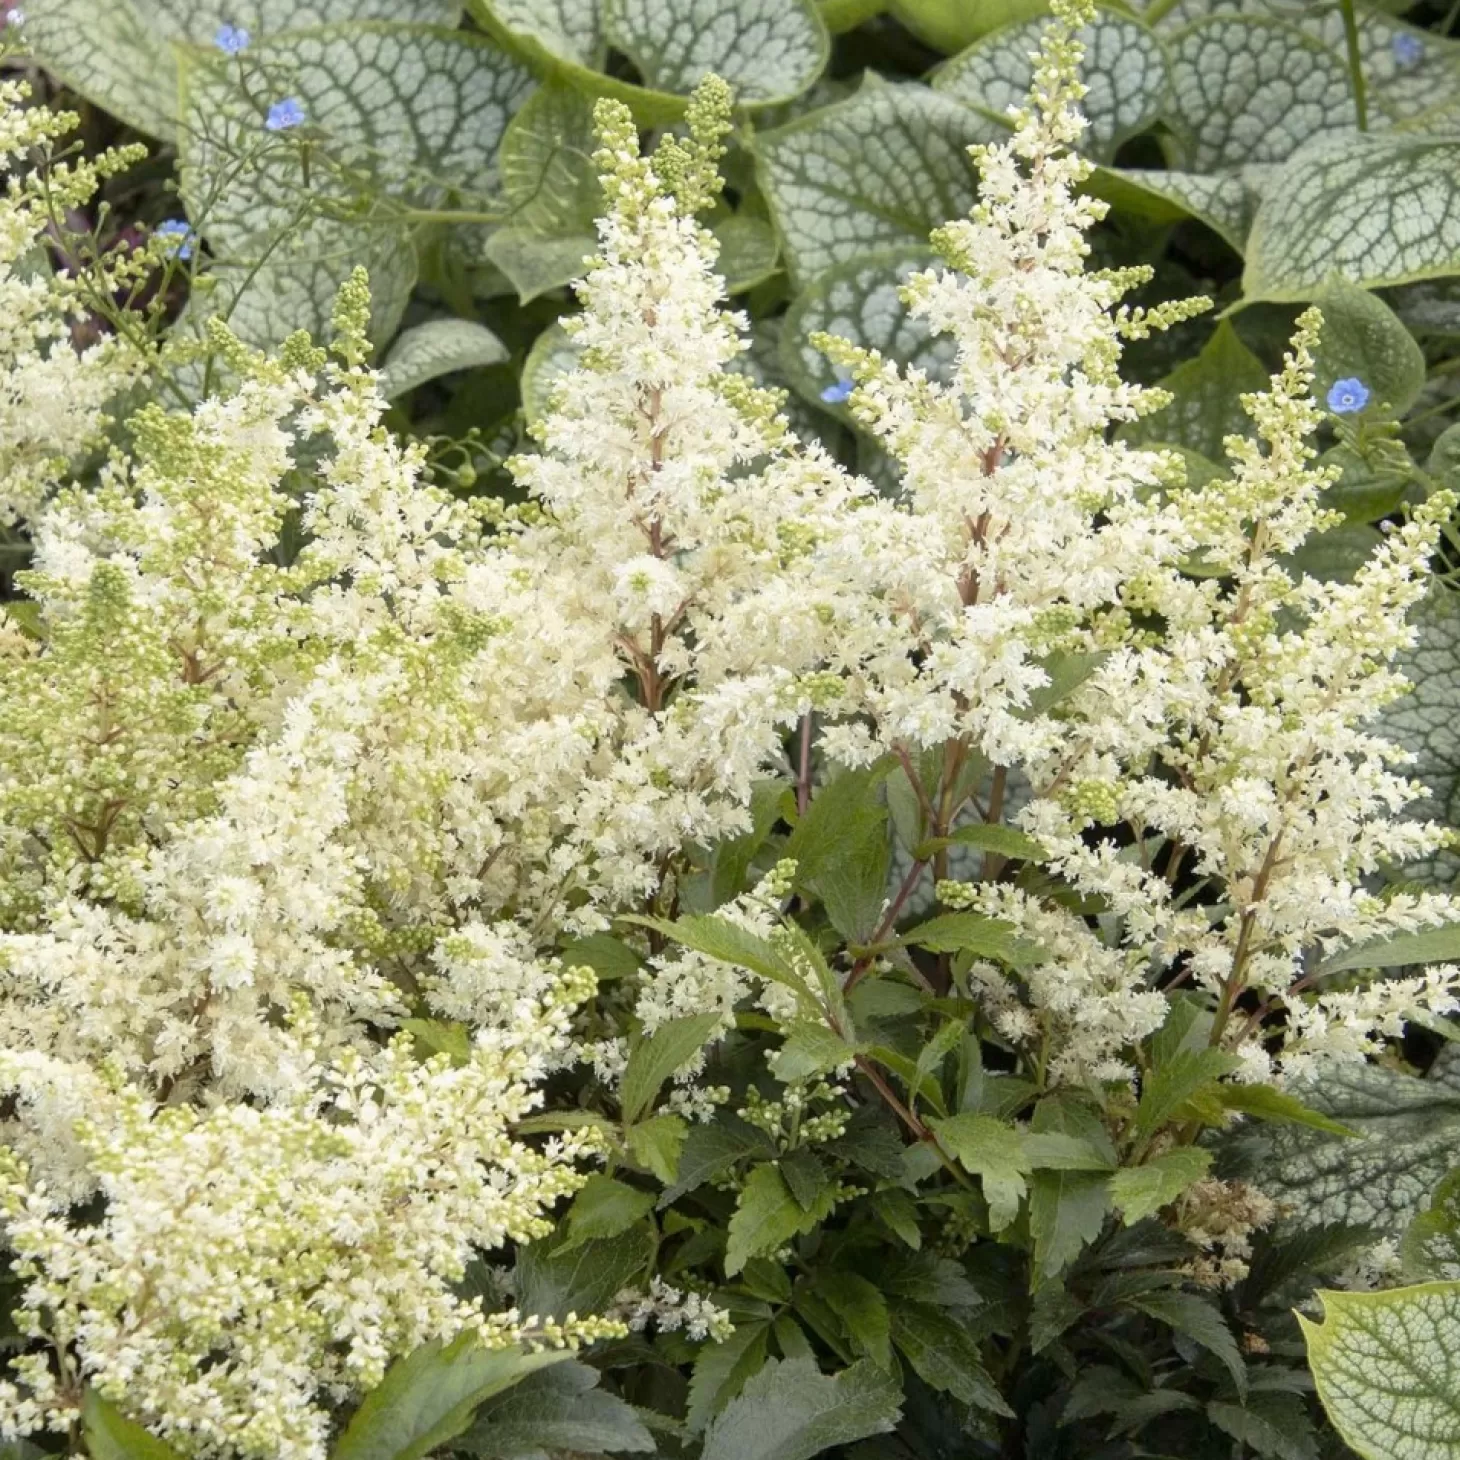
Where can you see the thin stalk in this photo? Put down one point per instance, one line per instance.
(1355, 63)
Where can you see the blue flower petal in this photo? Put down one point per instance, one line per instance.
(284, 114)
(838, 394)
(1347, 396)
(232, 40)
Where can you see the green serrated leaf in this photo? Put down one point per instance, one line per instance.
(1267, 1102)
(1067, 1210)
(1272, 1424)
(656, 1144)
(810, 1049)
(943, 1355)
(1384, 1365)
(712, 1149)
(792, 1411)
(1433, 945)
(1124, 66)
(1250, 90)
(967, 932)
(862, 1308)
(585, 1280)
(994, 1152)
(603, 1208)
(560, 1408)
(877, 171)
(1186, 1074)
(438, 347)
(429, 1397)
(654, 1059)
(110, 1435)
(1003, 841)
(766, 1217)
(1374, 208)
(721, 1371)
(608, 957)
(436, 1036)
(718, 937)
(1201, 1321)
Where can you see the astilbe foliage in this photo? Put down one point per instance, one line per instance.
(260, 808)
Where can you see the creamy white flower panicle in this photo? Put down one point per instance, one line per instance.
(58, 372)
(679, 517)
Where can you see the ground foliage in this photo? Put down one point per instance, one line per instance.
(872, 1177)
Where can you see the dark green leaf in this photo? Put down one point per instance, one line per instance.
(1167, 1088)
(1267, 1102)
(429, 1397)
(557, 1409)
(1067, 1210)
(585, 1280)
(721, 1371)
(969, 932)
(792, 1411)
(1201, 1321)
(656, 1143)
(110, 1435)
(862, 1308)
(714, 1148)
(766, 1217)
(943, 1355)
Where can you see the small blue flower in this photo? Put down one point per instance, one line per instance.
(838, 394)
(1409, 50)
(180, 230)
(284, 114)
(232, 40)
(1347, 396)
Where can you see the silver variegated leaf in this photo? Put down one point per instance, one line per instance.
(1225, 201)
(1125, 68)
(1377, 209)
(1251, 91)
(768, 50)
(436, 348)
(879, 170)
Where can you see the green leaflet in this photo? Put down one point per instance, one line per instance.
(1427, 722)
(767, 1216)
(603, 1208)
(1433, 945)
(654, 1059)
(1273, 1424)
(879, 170)
(949, 25)
(1225, 201)
(546, 164)
(1378, 209)
(1408, 1134)
(560, 1408)
(1206, 408)
(1141, 1191)
(1202, 1322)
(792, 1411)
(860, 1305)
(1385, 1368)
(943, 1354)
(585, 1280)
(768, 50)
(1251, 91)
(994, 1152)
(721, 1371)
(1125, 67)
(1067, 1210)
(426, 351)
(110, 1435)
(429, 1397)
(861, 301)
